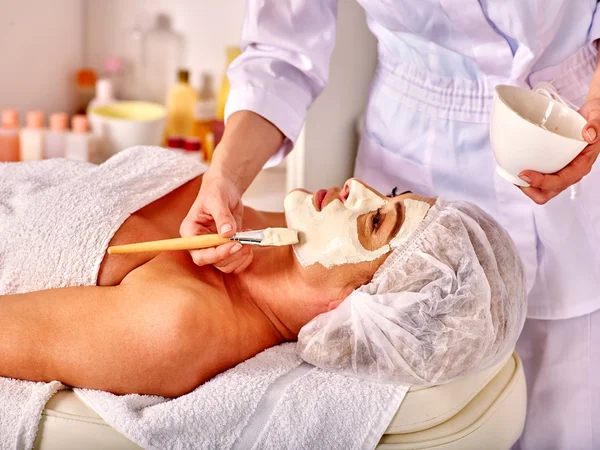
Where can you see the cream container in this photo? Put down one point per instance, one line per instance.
(531, 131)
(121, 125)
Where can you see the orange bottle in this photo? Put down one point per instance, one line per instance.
(9, 136)
(86, 87)
(204, 115)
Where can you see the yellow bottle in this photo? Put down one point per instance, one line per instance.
(204, 116)
(232, 53)
(180, 107)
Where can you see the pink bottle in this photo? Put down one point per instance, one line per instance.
(9, 136)
(32, 137)
(56, 137)
(81, 144)
(113, 70)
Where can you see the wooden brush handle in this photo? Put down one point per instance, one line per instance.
(183, 243)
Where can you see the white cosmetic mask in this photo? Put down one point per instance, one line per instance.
(330, 237)
(416, 211)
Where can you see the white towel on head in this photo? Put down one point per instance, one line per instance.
(56, 219)
(272, 401)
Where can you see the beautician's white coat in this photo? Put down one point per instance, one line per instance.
(426, 129)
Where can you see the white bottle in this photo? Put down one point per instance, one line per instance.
(56, 136)
(32, 137)
(81, 145)
(162, 56)
(104, 94)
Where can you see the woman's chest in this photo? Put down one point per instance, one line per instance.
(158, 220)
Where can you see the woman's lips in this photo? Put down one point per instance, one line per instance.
(318, 198)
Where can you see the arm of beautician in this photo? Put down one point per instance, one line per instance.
(268, 237)
(248, 142)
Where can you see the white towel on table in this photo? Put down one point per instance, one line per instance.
(21, 405)
(272, 401)
(64, 213)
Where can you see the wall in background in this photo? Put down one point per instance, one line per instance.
(329, 145)
(42, 48)
(207, 26)
(63, 35)
(330, 138)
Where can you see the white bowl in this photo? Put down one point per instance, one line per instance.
(530, 131)
(126, 124)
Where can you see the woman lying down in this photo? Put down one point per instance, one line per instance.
(402, 288)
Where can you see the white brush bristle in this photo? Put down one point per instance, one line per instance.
(279, 236)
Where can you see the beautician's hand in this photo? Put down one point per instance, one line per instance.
(218, 208)
(545, 187)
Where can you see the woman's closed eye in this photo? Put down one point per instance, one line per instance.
(376, 220)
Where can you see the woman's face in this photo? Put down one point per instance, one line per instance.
(345, 233)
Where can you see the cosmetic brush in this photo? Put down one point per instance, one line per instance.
(275, 237)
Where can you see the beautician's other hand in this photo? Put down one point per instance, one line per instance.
(545, 187)
(218, 208)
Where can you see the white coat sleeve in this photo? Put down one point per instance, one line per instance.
(284, 66)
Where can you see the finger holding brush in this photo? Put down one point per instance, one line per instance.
(220, 198)
(231, 258)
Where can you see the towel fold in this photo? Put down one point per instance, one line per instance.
(21, 406)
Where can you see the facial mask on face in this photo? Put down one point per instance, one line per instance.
(330, 237)
(416, 211)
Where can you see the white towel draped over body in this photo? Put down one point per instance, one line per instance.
(56, 220)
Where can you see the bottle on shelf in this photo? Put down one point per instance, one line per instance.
(56, 136)
(209, 147)
(9, 136)
(204, 113)
(81, 145)
(193, 148)
(104, 94)
(162, 55)
(218, 127)
(175, 143)
(232, 53)
(86, 85)
(32, 137)
(219, 123)
(113, 71)
(180, 107)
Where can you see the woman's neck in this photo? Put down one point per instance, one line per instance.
(274, 283)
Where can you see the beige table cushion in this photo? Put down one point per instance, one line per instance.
(493, 401)
(492, 419)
